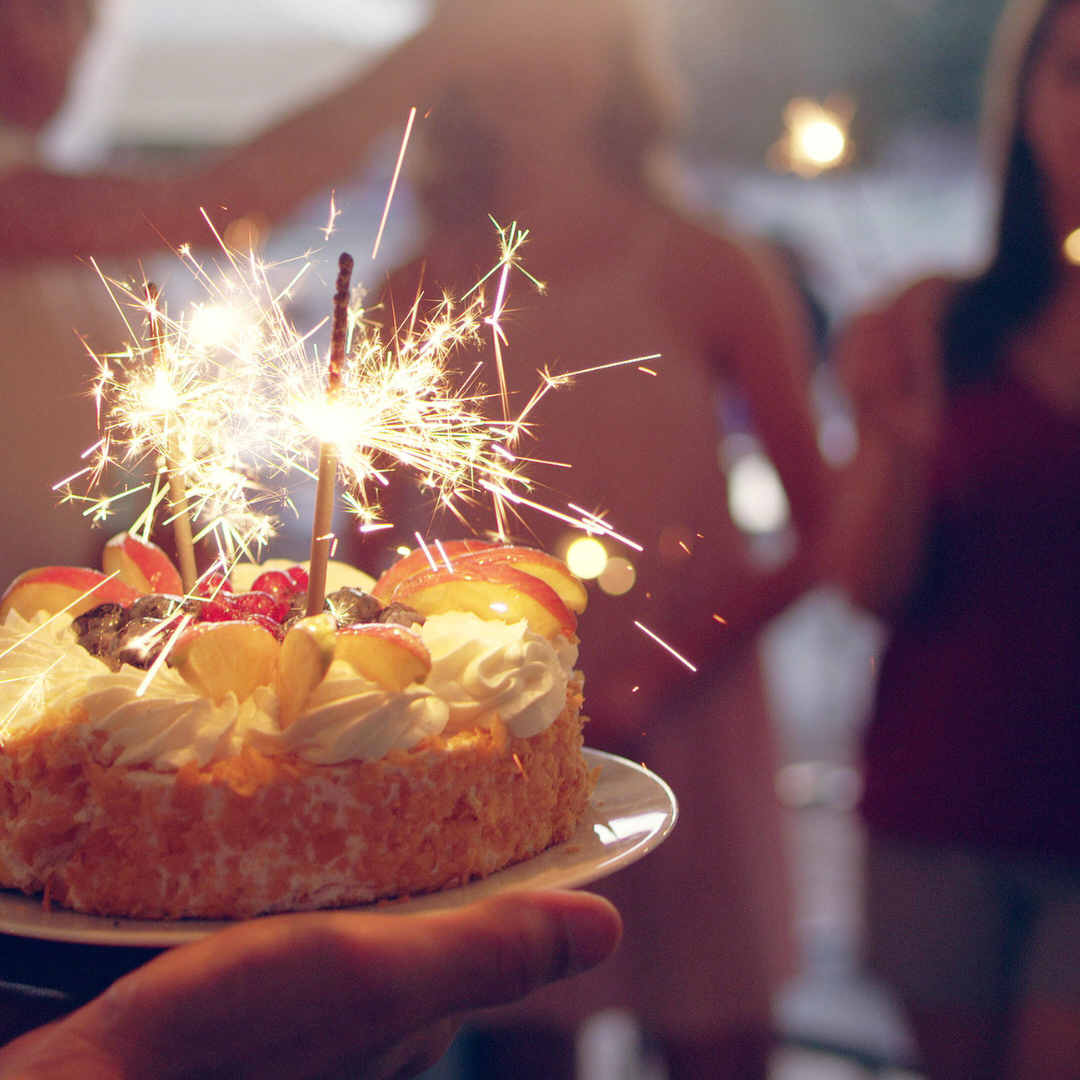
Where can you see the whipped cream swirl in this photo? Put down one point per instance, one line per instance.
(349, 717)
(485, 668)
(481, 669)
(168, 725)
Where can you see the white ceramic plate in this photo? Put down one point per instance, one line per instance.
(631, 811)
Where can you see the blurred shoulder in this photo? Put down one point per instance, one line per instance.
(711, 241)
(921, 301)
(908, 315)
(888, 341)
(710, 264)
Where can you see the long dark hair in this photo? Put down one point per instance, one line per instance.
(1023, 270)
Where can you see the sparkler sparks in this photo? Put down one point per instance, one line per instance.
(241, 414)
(663, 644)
(188, 405)
(232, 415)
(32, 696)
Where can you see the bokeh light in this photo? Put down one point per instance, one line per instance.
(804, 784)
(757, 501)
(821, 142)
(838, 439)
(618, 576)
(1071, 247)
(816, 138)
(586, 557)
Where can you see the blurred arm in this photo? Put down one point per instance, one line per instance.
(752, 320)
(48, 214)
(889, 362)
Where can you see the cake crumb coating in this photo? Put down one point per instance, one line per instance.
(256, 834)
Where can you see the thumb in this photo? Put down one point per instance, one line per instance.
(502, 949)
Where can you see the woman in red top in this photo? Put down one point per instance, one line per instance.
(961, 526)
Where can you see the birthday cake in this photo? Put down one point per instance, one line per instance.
(223, 754)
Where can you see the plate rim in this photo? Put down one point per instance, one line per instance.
(109, 930)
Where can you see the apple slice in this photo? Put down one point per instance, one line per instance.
(52, 589)
(540, 564)
(385, 653)
(306, 654)
(142, 565)
(491, 591)
(215, 658)
(419, 561)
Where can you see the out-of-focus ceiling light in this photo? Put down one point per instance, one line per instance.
(816, 138)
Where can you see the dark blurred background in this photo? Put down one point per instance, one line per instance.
(911, 66)
(173, 76)
(203, 71)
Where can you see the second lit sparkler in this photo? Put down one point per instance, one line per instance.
(322, 525)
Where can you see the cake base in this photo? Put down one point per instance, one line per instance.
(259, 834)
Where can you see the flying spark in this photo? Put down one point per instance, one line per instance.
(660, 641)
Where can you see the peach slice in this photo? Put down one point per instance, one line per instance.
(492, 591)
(419, 561)
(385, 653)
(215, 658)
(52, 589)
(306, 654)
(540, 564)
(142, 565)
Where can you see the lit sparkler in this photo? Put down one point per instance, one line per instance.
(395, 405)
(178, 506)
(321, 530)
(223, 420)
(237, 416)
(189, 406)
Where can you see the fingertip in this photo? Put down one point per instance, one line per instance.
(591, 924)
(594, 930)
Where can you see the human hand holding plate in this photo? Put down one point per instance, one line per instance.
(321, 994)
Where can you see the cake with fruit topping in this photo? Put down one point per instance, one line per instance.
(222, 754)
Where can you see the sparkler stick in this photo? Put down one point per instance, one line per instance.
(322, 526)
(178, 504)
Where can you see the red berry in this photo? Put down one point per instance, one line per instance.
(299, 578)
(274, 582)
(260, 603)
(215, 611)
(212, 585)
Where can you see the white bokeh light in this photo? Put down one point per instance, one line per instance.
(756, 497)
(822, 142)
(586, 557)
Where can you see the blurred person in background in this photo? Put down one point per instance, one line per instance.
(959, 523)
(558, 121)
(54, 306)
(559, 117)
